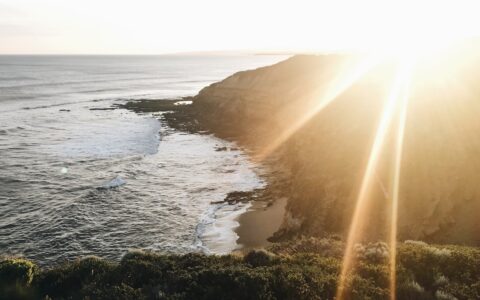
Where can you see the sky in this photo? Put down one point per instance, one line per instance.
(172, 26)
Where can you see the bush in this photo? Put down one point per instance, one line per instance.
(412, 290)
(423, 272)
(258, 258)
(72, 277)
(17, 271)
(16, 276)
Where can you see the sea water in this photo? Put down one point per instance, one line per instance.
(77, 178)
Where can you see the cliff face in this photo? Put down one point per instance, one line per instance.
(279, 112)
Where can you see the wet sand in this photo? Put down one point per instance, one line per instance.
(259, 223)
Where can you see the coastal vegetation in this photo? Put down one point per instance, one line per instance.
(304, 268)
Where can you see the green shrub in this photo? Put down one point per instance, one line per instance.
(378, 273)
(61, 281)
(412, 290)
(117, 292)
(257, 258)
(423, 272)
(17, 271)
(16, 276)
(361, 288)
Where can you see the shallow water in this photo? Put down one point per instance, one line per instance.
(76, 181)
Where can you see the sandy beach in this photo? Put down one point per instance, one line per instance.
(259, 223)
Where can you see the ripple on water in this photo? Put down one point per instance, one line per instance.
(52, 209)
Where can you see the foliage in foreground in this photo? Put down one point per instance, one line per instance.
(305, 269)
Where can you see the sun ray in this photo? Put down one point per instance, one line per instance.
(341, 84)
(361, 205)
(396, 180)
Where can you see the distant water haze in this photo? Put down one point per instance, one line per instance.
(78, 180)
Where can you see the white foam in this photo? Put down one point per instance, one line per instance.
(115, 182)
(216, 232)
(183, 102)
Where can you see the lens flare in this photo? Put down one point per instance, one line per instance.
(346, 79)
(396, 180)
(362, 203)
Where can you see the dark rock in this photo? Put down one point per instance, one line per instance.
(102, 108)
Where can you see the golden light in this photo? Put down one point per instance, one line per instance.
(346, 77)
(362, 203)
(396, 178)
(416, 48)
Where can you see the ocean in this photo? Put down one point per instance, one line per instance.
(79, 179)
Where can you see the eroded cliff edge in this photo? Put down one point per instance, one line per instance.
(280, 113)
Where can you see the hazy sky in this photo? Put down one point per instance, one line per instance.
(164, 26)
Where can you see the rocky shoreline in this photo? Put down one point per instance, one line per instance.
(254, 231)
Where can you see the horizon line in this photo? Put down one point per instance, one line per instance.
(192, 53)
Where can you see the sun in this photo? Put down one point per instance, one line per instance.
(415, 47)
(417, 29)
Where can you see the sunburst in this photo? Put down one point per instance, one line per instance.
(391, 108)
(395, 108)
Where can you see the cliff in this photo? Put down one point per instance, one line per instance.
(283, 114)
